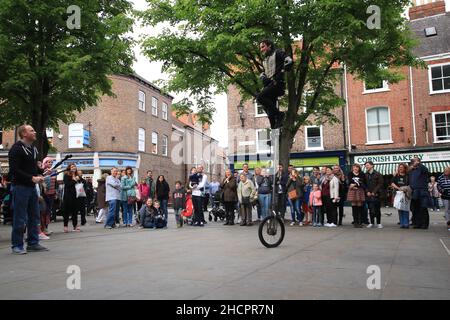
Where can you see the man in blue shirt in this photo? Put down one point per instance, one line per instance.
(418, 181)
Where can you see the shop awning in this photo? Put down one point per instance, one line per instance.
(437, 166)
(391, 168)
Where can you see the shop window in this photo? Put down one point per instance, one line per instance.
(378, 125)
(441, 126)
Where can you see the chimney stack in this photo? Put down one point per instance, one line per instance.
(427, 10)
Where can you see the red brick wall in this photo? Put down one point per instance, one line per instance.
(397, 99)
(427, 10)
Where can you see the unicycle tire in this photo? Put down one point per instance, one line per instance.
(271, 228)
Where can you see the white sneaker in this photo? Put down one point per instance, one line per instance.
(292, 223)
(42, 236)
(380, 226)
(332, 225)
(300, 224)
(369, 226)
(438, 210)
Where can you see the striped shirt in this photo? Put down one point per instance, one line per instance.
(444, 186)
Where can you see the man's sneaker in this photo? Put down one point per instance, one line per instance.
(380, 226)
(300, 224)
(292, 223)
(36, 248)
(19, 251)
(42, 236)
(48, 232)
(369, 226)
(438, 209)
(202, 224)
(108, 227)
(332, 225)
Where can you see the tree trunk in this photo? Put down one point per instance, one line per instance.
(286, 140)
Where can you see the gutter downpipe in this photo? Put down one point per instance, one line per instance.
(411, 87)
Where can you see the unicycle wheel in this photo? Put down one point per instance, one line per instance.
(271, 231)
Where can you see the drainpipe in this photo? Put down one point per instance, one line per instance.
(411, 87)
(346, 110)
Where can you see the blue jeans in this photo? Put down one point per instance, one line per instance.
(127, 214)
(435, 203)
(296, 210)
(316, 214)
(265, 201)
(404, 218)
(25, 214)
(164, 203)
(113, 208)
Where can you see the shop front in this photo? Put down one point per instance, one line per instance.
(387, 163)
(302, 161)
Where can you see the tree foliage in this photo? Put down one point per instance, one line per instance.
(50, 71)
(207, 45)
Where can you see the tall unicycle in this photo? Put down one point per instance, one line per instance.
(271, 229)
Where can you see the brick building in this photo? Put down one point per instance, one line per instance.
(134, 128)
(391, 123)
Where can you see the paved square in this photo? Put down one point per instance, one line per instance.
(223, 262)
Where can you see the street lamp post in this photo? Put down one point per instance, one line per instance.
(240, 108)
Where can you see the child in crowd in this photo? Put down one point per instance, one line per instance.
(315, 201)
(160, 220)
(179, 203)
(194, 178)
(307, 186)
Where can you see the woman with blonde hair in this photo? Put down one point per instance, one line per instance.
(399, 183)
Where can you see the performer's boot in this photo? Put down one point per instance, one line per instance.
(231, 219)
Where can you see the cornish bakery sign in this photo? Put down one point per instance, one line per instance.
(403, 157)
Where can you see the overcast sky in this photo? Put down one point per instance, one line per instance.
(152, 72)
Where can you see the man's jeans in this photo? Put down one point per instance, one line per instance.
(25, 214)
(113, 208)
(264, 200)
(374, 210)
(164, 209)
(127, 214)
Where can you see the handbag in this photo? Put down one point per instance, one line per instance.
(131, 199)
(79, 187)
(292, 195)
(245, 200)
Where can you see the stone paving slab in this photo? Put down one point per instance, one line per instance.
(229, 262)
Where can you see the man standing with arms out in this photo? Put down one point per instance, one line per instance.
(25, 174)
(374, 184)
(151, 184)
(112, 197)
(420, 200)
(275, 62)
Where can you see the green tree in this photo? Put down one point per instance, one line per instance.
(50, 70)
(208, 45)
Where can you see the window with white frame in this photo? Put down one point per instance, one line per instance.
(314, 138)
(154, 106)
(439, 76)
(141, 139)
(441, 126)
(379, 86)
(378, 125)
(259, 110)
(165, 145)
(164, 111)
(141, 100)
(154, 142)
(262, 140)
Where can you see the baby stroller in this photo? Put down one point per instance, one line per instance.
(217, 211)
(187, 214)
